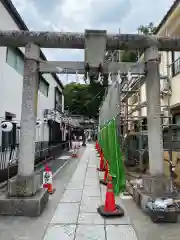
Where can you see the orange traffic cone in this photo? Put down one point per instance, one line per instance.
(51, 190)
(110, 209)
(101, 168)
(104, 181)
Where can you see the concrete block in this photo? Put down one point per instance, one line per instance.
(21, 206)
(157, 185)
(24, 186)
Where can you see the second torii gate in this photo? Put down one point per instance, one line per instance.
(95, 43)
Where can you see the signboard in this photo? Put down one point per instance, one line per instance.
(47, 177)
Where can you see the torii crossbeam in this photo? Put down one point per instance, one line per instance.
(77, 40)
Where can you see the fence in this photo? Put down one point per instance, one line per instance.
(9, 156)
(110, 145)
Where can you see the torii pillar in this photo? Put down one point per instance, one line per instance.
(25, 197)
(156, 183)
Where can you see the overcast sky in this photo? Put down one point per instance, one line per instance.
(77, 15)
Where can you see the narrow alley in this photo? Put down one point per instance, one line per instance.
(76, 216)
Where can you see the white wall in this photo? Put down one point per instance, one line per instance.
(11, 82)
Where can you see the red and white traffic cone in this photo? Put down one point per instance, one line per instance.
(47, 180)
(101, 166)
(104, 181)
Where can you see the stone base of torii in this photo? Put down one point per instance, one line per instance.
(25, 197)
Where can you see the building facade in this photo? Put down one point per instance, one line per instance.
(50, 106)
(169, 72)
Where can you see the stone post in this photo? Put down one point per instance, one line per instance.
(155, 141)
(156, 183)
(25, 197)
(29, 111)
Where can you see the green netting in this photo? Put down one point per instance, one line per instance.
(109, 142)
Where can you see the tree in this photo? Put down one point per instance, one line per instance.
(150, 29)
(84, 99)
(130, 56)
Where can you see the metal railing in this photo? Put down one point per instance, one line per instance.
(9, 156)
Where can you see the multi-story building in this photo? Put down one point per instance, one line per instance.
(169, 71)
(169, 90)
(50, 94)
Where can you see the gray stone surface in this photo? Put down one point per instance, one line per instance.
(123, 232)
(90, 232)
(75, 185)
(73, 196)
(91, 191)
(155, 138)
(61, 232)
(90, 204)
(24, 186)
(66, 213)
(91, 218)
(29, 110)
(77, 40)
(28, 206)
(157, 185)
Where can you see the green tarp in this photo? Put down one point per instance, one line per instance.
(110, 144)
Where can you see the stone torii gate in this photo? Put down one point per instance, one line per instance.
(25, 195)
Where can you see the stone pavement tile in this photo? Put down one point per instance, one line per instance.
(78, 178)
(61, 232)
(90, 218)
(123, 232)
(66, 213)
(90, 182)
(91, 176)
(75, 185)
(90, 204)
(90, 232)
(92, 165)
(91, 191)
(71, 196)
(118, 221)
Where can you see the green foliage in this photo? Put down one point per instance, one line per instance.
(84, 99)
(147, 30)
(129, 56)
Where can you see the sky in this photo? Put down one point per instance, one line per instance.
(77, 15)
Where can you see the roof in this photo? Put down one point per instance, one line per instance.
(170, 11)
(22, 26)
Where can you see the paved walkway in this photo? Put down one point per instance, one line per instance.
(76, 216)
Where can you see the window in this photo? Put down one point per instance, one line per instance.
(58, 99)
(15, 59)
(175, 63)
(43, 86)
